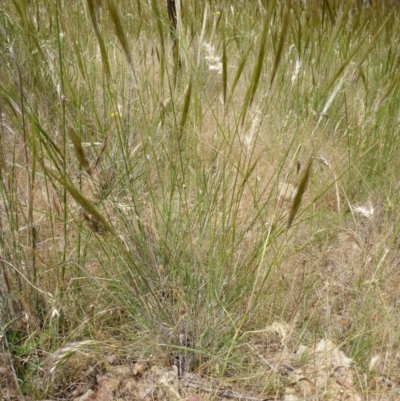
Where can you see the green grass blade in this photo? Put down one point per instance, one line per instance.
(79, 151)
(119, 30)
(257, 68)
(239, 70)
(185, 110)
(279, 49)
(299, 194)
(80, 199)
(93, 11)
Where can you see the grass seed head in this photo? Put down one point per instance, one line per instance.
(61, 356)
(213, 60)
(366, 211)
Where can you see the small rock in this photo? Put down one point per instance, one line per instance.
(111, 359)
(139, 368)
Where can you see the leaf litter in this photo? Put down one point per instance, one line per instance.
(321, 371)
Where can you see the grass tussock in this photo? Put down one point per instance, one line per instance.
(206, 185)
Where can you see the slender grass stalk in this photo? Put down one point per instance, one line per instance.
(224, 70)
(63, 138)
